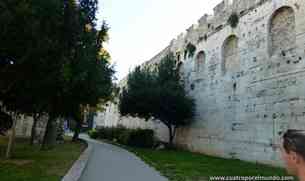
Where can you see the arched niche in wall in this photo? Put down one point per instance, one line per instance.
(179, 66)
(178, 57)
(200, 61)
(230, 55)
(282, 35)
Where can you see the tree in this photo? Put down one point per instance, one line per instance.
(88, 73)
(30, 54)
(50, 61)
(158, 94)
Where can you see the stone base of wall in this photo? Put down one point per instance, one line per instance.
(193, 140)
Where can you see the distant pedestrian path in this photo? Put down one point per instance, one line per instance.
(111, 163)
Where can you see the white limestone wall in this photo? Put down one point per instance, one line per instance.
(245, 92)
(112, 118)
(241, 111)
(24, 126)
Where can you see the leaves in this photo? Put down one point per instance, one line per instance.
(191, 49)
(233, 20)
(49, 61)
(157, 94)
(6, 122)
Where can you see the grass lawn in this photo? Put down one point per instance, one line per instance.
(186, 166)
(30, 164)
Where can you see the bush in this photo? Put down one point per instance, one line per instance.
(132, 137)
(141, 138)
(105, 133)
(93, 134)
(124, 137)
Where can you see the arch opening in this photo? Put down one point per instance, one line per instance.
(282, 30)
(230, 53)
(200, 61)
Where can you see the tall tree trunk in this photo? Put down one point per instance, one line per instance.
(49, 139)
(11, 138)
(77, 131)
(33, 131)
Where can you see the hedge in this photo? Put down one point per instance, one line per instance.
(143, 138)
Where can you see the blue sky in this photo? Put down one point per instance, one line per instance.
(142, 28)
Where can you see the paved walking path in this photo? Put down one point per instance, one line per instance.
(111, 163)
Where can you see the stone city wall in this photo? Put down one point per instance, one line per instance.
(248, 82)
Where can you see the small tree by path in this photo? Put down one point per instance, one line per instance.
(88, 74)
(159, 94)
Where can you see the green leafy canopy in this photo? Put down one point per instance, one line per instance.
(50, 60)
(158, 94)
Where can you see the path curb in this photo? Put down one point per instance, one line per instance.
(79, 166)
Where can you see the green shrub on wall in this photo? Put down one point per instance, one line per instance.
(233, 20)
(191, 49)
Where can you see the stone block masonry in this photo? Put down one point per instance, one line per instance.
(248, 82)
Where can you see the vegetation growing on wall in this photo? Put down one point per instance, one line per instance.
(233, 20)
(191, 49)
